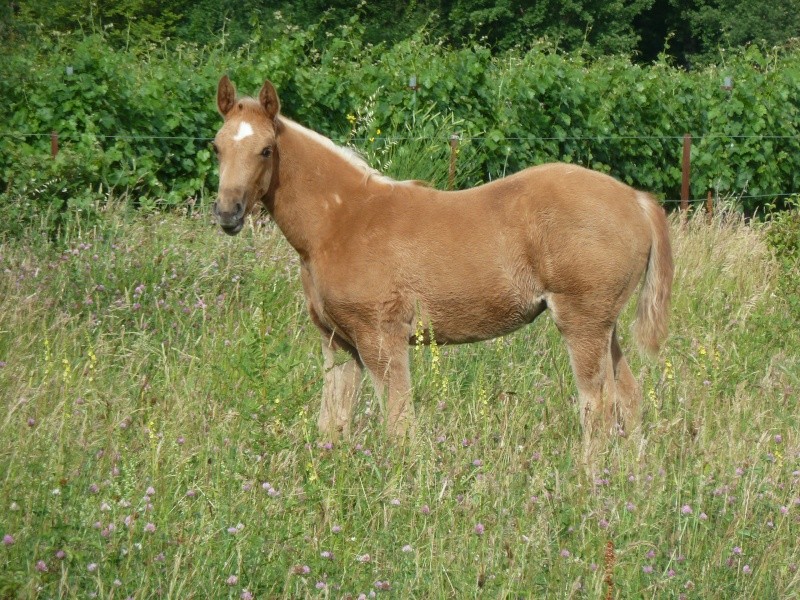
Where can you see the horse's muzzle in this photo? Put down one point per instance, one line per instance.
(231, 221)
(234, 229)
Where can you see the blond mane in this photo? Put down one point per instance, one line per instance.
(350, 155)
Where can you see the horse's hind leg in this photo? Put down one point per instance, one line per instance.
(629, 397)
(591, 363)
(342, 380)
(589, 345)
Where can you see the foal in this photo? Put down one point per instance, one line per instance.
(379, 256)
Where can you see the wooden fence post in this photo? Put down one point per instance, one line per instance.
(54, 143)
(710, 205)
(685, 171)
(451, 179)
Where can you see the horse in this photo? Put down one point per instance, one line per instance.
(382, 258)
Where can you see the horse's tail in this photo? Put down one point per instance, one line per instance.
(652, 311)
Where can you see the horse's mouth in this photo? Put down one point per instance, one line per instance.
(233, 229)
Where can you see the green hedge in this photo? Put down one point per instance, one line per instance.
(137, 120)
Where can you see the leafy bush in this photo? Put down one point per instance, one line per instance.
(45, 193)
(783, 237)
(133, 121)
(783, 233)
(137, 120)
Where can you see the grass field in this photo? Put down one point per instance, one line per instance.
(160, 385)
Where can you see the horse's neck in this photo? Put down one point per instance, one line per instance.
(315, 187)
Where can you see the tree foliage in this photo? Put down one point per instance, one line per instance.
(688, 30)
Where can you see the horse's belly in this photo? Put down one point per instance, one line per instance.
(460, 322)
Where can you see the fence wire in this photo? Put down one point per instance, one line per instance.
(77, 136)
(462, 138)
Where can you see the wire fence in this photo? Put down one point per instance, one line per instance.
(461, 137)
(393, 138)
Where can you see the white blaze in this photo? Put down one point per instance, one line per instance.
(245, 130)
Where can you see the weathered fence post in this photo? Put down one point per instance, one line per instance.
(54, 143)
(710, 205)
(451, 179)
(685, 171)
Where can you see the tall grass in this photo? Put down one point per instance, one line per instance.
(160, 384)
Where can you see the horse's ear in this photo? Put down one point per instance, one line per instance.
(226, 95)
(268, 98)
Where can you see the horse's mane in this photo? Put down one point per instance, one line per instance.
(348, 154)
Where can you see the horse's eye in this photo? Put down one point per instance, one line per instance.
(267, 152)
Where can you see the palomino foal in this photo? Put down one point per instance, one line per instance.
(378, 256)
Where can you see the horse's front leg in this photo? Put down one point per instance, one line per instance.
(342, 370)
(342, 381)
(388, 365)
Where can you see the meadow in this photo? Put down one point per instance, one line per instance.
(160, 384)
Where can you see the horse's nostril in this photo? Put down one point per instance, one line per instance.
(238, 208)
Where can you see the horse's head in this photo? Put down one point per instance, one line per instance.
(245, 147)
